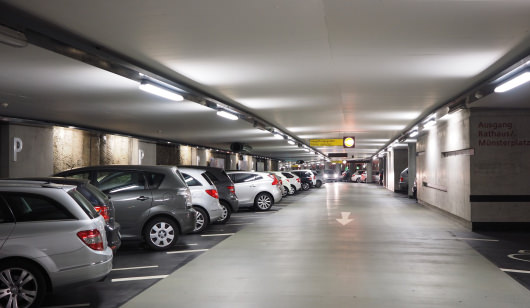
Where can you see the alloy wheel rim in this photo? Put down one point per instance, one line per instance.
(162, 234)
(200, 221)
(264, 202)
(224, 214)
(18, 288)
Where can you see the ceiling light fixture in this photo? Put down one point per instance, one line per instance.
(413, 133)
(161, 91)
(291, 142)
(227, 115)
(514, 82)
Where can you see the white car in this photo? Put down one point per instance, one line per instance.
(357, 176)
(287, 189)
(204, 197)
(256, 189)
(294, 180)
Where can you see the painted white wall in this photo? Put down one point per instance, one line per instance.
(444, 182)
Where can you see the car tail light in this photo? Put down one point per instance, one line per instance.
(232, 189)
(274, 179)
(103, 211)
(213, 193)
(401, 180)
(314, 177)
(92, 238)
(298, 180)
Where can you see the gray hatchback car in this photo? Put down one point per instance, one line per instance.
(50, 237)
(152, 203)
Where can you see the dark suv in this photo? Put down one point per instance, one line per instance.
(226, 189)
(152, 203)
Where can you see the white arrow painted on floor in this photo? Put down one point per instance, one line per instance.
(345, 218)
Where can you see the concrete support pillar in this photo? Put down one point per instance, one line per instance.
(412, 168)
(369, 173)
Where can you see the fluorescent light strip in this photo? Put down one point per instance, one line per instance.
(291, 142)
(227, 115)
(162, 92)
(513, 82)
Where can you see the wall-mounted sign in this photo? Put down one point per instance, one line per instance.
(348, 142)
(337, 154)
(325, 142)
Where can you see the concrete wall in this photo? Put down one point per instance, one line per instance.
(33, 155)
(500, 166)
(168, 154)
(443, 165)
(74, 148)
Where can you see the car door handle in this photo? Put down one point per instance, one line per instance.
(142, 198)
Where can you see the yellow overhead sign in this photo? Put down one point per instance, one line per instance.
(325, 142)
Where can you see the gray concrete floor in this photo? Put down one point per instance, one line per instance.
(394, 253)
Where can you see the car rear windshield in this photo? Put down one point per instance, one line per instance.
(205, 176)
(83, 203)
(288, 175)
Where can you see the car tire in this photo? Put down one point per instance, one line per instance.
(305, 186)
(202, 220)
(27, 279)
(293, 190)
(263, 202)
(227, 212)
(358, 180)
(318, 184)
(161, 233)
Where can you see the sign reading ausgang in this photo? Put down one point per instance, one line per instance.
(325, 142)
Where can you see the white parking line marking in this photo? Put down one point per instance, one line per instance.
(69, 306)
(186, 251)
(184, 245)
(241, 224)
(133, 268)
(514, 271)
(221, 234)
(139, 278)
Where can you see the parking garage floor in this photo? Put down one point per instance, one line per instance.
(346, 245)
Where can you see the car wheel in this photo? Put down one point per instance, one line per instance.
(161, 233)
(293, 190)
(22, 284)
(305, 186)
(358, 180)
(285, 191)
(202, 220)
(318, 184)
(263, 202)
(227, 212)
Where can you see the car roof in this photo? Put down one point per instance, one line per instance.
(152, 168)
(35, 184)
(57, 180)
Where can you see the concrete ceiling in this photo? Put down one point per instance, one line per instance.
(311, 68)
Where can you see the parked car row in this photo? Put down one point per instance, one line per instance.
(64, 229)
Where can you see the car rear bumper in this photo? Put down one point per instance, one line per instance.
(113, 236)
(94, 270)
(187, 221)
